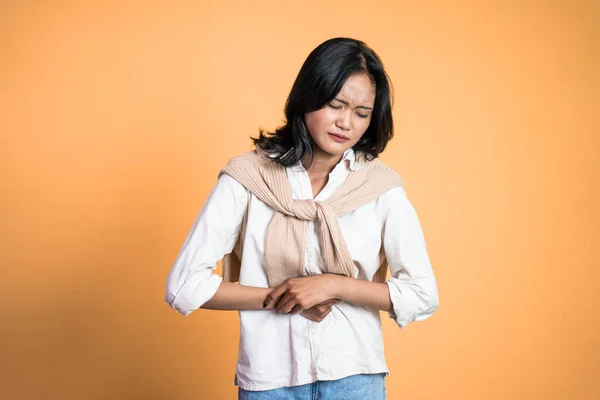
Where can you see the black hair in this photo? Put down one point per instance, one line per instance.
(320, 79)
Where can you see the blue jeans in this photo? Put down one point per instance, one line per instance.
(359, 387)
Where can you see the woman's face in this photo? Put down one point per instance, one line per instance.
(340, 124)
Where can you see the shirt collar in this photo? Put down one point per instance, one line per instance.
(352, 161)
(349, 155)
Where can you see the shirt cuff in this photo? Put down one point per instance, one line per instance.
(196, 291)
(411, 302)
(397, 313)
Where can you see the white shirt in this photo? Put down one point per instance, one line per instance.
(277, 350)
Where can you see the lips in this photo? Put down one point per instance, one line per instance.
(338, 138)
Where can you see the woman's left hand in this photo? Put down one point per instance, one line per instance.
(298, 294)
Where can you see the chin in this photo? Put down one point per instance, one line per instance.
(334, 150)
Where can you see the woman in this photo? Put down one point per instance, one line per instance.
(309, 222)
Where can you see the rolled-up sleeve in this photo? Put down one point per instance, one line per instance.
(192, 281)
(412, 286)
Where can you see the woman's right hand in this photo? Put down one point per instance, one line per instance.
(319, 312)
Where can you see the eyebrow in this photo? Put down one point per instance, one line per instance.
(346, 103)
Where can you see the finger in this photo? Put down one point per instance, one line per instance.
(274, 296)
(318, 318)
(319, 308)
(287, 307)
(322, 316)
(282, 301)
(309, 316)
(297, 309)
(323, 312)
(315, 314)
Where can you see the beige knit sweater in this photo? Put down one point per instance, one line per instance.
(286, 234)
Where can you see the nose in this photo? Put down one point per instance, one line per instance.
(343, 121)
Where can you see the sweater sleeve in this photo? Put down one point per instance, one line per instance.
(413, 287)
(192, 281)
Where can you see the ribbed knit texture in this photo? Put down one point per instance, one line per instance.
(286, 234)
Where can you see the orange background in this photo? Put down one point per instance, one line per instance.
(115, 120)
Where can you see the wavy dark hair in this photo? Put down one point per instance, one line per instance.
(320, 79)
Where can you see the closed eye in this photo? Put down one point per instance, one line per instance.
(340, 107)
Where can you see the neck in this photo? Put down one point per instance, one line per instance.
(322, 164)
